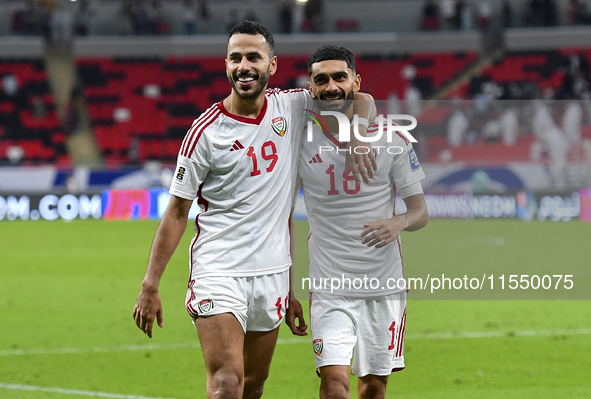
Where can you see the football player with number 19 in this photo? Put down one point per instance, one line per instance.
(237, 159)
(355, 241)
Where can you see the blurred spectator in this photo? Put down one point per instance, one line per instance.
(10, 85)
(44, 19)
(189, 17)
(457, 128)
(572, 120)
(448, 14)
(17, 23)
(153, 17)
(162, 27)
(286, 16)
(509, 123)
(138, 18)
(61, 24)
(551, 140)
(506, 14)
(204, 10)
(573, 10)
(74, 111)
(430, 20)
(484, 14)
(29, 18)
(394, 106)
(459, 8)
(491, 130)
(125, 16)
(15, 154)
(466, 18)
(413, 99)
(314, 16)
(576, 77)
(83, 18)
(231, 19)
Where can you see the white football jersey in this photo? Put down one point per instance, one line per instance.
(338, 208)
(242, 172)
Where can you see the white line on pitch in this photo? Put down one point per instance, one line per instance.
(289, 341)
(495, 334)
(19, 387)
(98, 349)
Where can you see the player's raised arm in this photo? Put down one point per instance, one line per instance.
(169, 233)
(362, 165)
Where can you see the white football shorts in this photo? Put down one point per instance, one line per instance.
(368, 330)
(258, 302)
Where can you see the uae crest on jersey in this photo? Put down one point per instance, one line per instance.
(317, 346)
(206, 305)
(279, 124)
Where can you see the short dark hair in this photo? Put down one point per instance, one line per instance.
(254, 28)
(332, 52)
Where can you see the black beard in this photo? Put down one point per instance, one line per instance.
(346, 104)
(262, 83)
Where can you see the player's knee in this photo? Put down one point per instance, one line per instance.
(253, 387)
(372, 389)
(253, 391)
(225, 384)
(254, 384)
(335, 388)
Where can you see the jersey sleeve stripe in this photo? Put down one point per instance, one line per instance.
(193, 136)
(200, 131)
(195, 123)
(189, 137)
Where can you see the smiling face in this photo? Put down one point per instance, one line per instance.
(333, 84)
(249, 64)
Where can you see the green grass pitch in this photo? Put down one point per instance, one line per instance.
(67, 291)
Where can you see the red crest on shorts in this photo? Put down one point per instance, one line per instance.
(206, 305)
(318, 346)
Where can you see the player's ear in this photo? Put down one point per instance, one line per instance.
(311, 91)
(273, 65)
(226, 65)
(357, 83)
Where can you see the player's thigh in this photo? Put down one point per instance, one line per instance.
(380, 332)
(333, 330)
(259, 347)
(267, 301)
(222, 340)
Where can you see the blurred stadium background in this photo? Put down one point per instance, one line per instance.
(96, 96)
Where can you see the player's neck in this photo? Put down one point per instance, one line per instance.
(247, 108)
